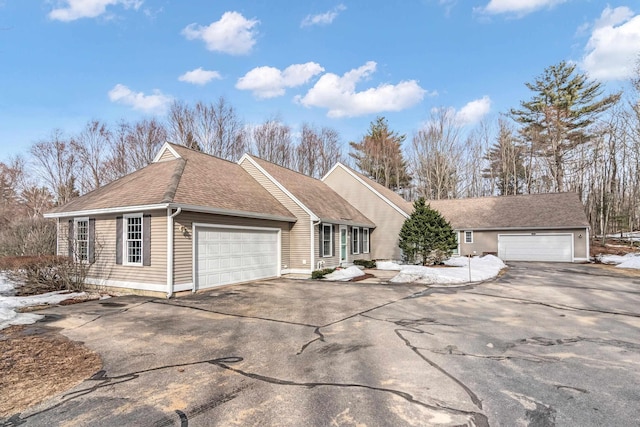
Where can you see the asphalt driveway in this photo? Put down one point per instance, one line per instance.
(545, 345)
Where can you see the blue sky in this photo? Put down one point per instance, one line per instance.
(329, 63)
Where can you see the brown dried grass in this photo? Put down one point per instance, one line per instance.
(36, 364)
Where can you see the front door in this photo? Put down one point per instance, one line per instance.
(343, 244)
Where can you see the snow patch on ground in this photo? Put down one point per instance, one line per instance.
(632, 262)
(387, 265)
(6, 287)
(345, 274)
(8, 304)
(630, 236)
(482, 268)
(622, 261)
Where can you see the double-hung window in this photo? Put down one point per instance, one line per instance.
(355, 240)
(133, 239)
(327, 240)
(365, 240)
(468, 236)
(81, 238)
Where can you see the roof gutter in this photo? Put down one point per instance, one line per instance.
(346, 222)
(101, 211)
(170, 217)
(564, 227)
(232, 212)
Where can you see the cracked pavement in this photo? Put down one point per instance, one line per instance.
(544, 345)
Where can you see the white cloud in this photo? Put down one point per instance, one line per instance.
(323, 18)
(339, 96)
(517, 7)
(614, 45)
(199, 76)
(70, 10)
(269, 82)
(233, 34)
(157, 102)
(473, 111)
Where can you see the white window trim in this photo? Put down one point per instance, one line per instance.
(457, 250)
(355, 237)
(125, 249)
(470, 234)
(75, 239)
(366, 248)
(324, 254)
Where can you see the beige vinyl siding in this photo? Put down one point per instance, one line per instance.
(384, 238)
(183, 239)
(487, 241)
(334, 261)
(105, 269)
(300, 246)
(166, 156)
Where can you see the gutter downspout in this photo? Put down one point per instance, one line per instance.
(312, 237)
(58, 236)
(170, 217)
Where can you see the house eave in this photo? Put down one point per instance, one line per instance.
(103, 211)
(347, 222)
(185, 207)
(518, 228)
(231, 212)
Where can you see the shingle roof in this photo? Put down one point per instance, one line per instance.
(552, 210)
(195, 179)
(325, 203)
(145, 186)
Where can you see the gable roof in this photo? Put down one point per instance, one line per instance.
(315, 195)
(193, 180)
(388, 195)
(550, 210)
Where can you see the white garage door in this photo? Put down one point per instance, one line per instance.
(230, 255)
(538, 247)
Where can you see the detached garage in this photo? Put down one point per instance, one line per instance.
(536, 247)
(225, 255)
(533, 227)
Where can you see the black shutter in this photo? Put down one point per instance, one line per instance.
(119, 240)
(92, 241)
(333, 240)
(146, 240)
(70, 239)
(350, 241)
(360, 240)
(320, 233)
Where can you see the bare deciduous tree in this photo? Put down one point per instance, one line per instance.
(436, 157)
(134, 146)
(317, 151)
(272, 141)
(56, 164)
(91, 147)
(211, 128)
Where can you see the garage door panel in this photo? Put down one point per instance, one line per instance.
(235, 255)
(536, 247)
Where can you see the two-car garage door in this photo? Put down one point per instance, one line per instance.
(226, 255)
(536, 247)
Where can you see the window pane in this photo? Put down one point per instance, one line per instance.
(82, 240)
(134, 240)
(326, 240)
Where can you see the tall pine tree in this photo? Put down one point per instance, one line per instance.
(426, 237)
(558, 118)
(379, 155)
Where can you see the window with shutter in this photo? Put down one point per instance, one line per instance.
(355, 240)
